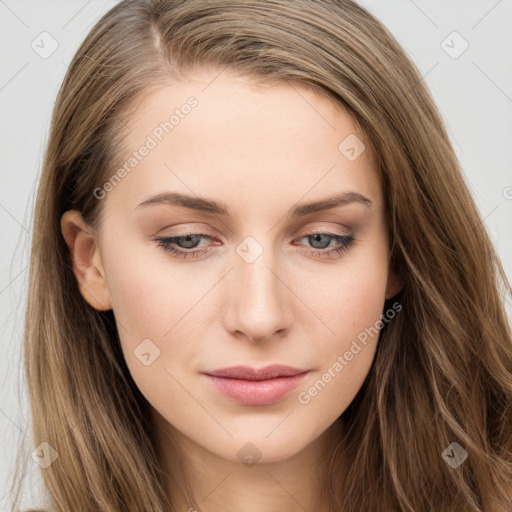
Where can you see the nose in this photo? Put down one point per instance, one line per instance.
(258, 307)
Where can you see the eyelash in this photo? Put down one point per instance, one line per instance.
(167, 244)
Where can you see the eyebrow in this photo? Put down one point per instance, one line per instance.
(214, 207)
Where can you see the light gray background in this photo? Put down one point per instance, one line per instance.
(473, 91)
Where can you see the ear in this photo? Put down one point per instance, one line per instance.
(395, 283)
(86, 258)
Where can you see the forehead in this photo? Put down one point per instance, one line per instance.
(226, 136)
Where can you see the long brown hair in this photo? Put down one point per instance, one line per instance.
(443, 370)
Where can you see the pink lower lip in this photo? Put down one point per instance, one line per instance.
(257, 392)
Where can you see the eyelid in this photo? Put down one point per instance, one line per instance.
(296, 237)
(201, 228)
(347, 242)
(325, 229)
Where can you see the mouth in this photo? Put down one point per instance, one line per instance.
(249, 386)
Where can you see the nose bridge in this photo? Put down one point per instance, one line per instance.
(258, 303)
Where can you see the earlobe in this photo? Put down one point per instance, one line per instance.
(86, 259)
(395, 283)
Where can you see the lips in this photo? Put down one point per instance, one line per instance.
(250, 386)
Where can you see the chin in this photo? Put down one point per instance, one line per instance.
(262, 448)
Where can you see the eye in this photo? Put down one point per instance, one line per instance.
(179, 245)
(321, 241)
(190, 241)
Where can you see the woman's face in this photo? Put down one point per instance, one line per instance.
(265, 278)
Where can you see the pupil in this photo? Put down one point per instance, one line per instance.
(316, 238)
(188, 241)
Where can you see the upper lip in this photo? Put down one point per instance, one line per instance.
(248, 373)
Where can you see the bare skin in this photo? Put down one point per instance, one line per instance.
(261, 151)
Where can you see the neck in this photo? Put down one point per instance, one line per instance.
(294, 484)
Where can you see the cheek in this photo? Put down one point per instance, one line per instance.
(152, 303)
(345, 357)
(157, 300)
(351, 307)
(150, 294)
(354, 296)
